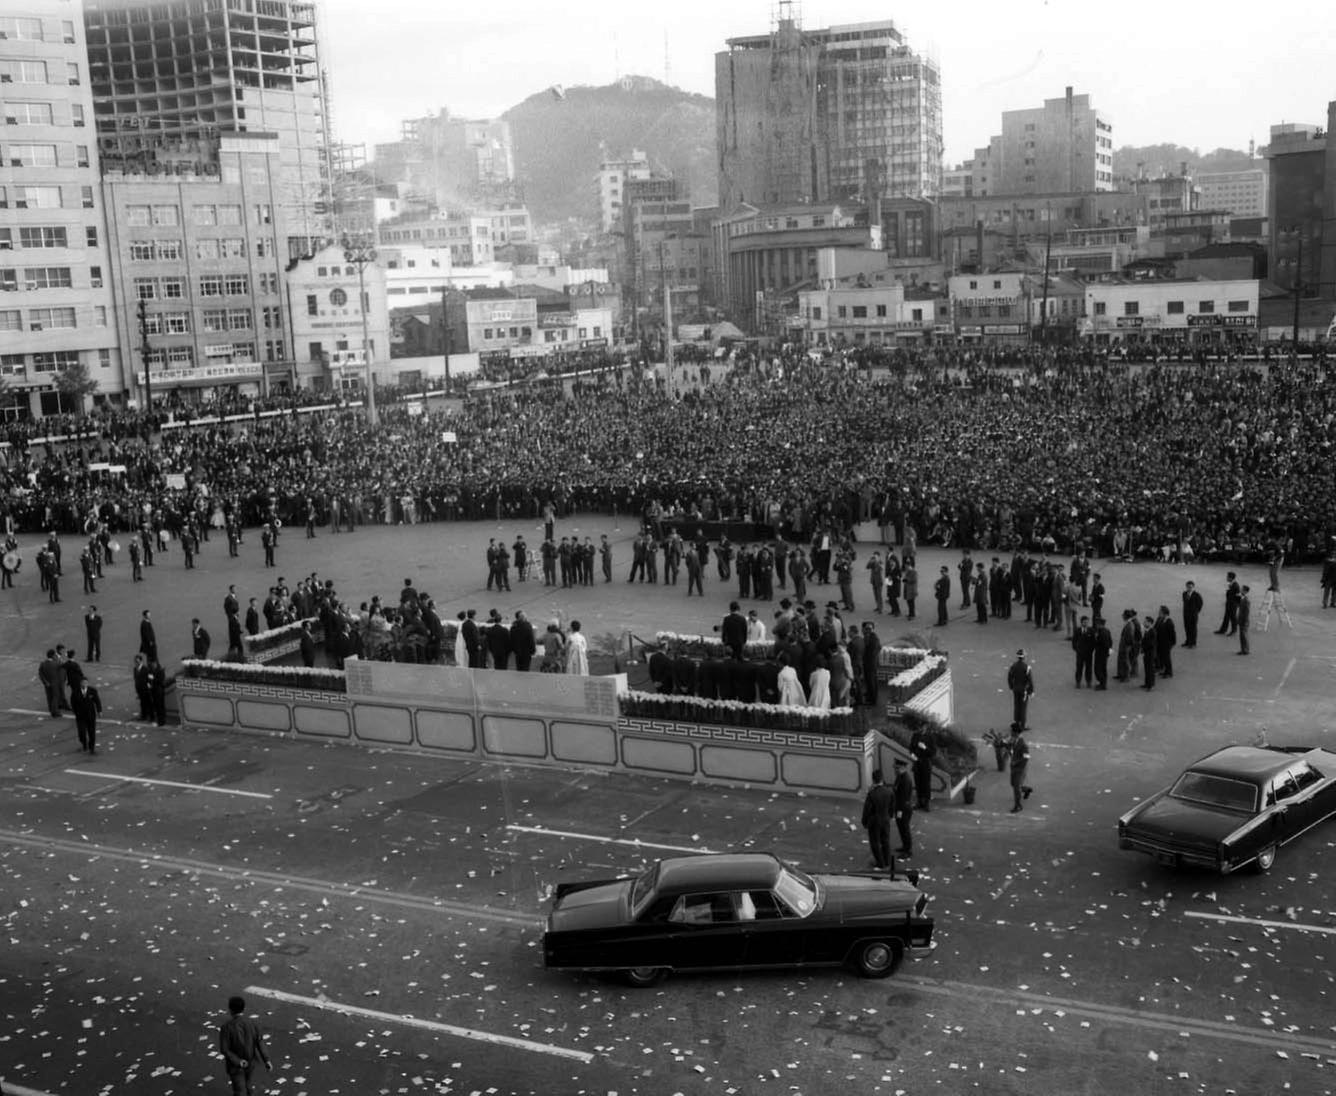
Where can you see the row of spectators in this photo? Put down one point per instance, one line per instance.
(1048, 447)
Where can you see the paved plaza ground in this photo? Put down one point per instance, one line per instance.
(328, 877)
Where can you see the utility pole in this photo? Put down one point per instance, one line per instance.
(445, 332)
(1043, 313)
(144, 350)
(667, 319)
(1298, 285)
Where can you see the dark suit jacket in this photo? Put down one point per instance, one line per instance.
(87, 705)
(148, 639)
(734, 630)
(522, 643)
(202, 641)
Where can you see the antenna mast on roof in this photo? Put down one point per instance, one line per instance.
(786, 12)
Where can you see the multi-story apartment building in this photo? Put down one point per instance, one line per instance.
(1065, 145)
(613, 175)
(1301, 207)
(205, 255)
(1242, 193)
(55, 292)
(190, 70)
(817, 115)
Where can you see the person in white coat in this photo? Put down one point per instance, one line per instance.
(791, 693)
(818, 688)
(461, 648)
(577, 651)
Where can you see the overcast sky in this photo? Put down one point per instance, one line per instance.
(1201, 75)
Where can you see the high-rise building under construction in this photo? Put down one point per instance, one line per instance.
(826, 115)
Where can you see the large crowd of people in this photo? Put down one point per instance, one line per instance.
(1045, 448)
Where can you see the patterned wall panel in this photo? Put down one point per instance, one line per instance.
(583, 743)
(453, 731)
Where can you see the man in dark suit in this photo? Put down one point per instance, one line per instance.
(1192, 607)
(93, 627)
(733, 631)
(1149, 654)
(1021, 683)
(142, 689)
(87, 707)
(157, 689)
(498, 642)
(307, 644)
(1083, 643)
(923, 750)
(522, 644)
(231, 606)
(148, 638)
(942, 591)
(1166, 639)
(878, 808)
(1230, 624)
(1103, 645)
(871, 660)
(199, 636)
(234, 637)
(49, 673)
(904, 806)
(473, 640)
(252, 619)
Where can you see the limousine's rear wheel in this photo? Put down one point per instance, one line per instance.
(644, 977)
(1265, 859)
(878, 958)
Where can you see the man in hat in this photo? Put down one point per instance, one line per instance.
(498, 641)
(1021, 683)
(87, 706)
(942, 591)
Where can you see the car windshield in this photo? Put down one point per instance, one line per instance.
(797, 891)
(642, 890)
(1216, 791)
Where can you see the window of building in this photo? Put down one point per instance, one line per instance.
(1238, 306)
(90, 236)
(215, 319)
(30, 155)
(25, 28)
(273, 350)
(80, 155)
(860, 312)
(322, 271)
(28, 114)
(916, 315)
(22, 72)
(1100, 308)
(1004, 311)
(229, 215)
(1174, 308)
(12, 365)
(273, 318)
(86, 196)
(141, 251)
(264, 214)
(312, 304)
(176, 323)
(11, 319)
(985, 310)
(232, 248)
(180, 355)
(100, 315)
(816, 312)
(315, 351)
(146, 289)
(1131, 308)
(268, 283)
(55, 362)
(1206, 306)
(44, 319)
(43, 236)
(211, 285)
(47, 277)
(206, 249)
(264, 249)
(842, 311)
(173, 289)
(486, 332)
(76, 115)
(206, 216)
(237, 285)
(72, 71)
(138, 216)
(997, 283)
(974, 284)
(167, 250)
(881, 311)
(95, 277)
(166, 215)
(238, 319)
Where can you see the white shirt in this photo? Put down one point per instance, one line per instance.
(755, 630)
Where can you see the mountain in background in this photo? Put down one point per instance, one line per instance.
(1168, 159)
(559, 142)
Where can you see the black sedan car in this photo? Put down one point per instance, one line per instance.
(736, 910)
(1234, 808)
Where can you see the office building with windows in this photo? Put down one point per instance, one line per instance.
(174, 71)
(829, 115)
(1064, 146)
(205, 255)
(55, 298)
(329, 304)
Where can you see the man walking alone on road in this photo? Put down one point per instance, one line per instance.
(1021, 683)
(87, 707)
(242, 1045)
(878, 808)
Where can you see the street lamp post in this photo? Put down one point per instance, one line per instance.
(359, 251)
(145, 351)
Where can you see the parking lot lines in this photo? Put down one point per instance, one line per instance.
(167, 783)
(631, 842)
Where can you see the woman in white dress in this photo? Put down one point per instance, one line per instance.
(818, 693)
(791, 693)
(577, 651)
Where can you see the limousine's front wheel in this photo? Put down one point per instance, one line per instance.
(1265, 859)
(644, 977)
(878, 958)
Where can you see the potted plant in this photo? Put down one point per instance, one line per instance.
(1001, 750)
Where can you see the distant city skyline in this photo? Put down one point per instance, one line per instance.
(1147, 65)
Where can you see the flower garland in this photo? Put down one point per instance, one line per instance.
(737, 713)
(257, 673)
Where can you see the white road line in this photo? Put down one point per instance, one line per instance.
(13, 1088)
(1261, 922)
(634, 843)
(1172, 1023)
(1289, 669)
(277, 880)
(61, 719)
(423, 1025)
(1060, 746)
(168, 783)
